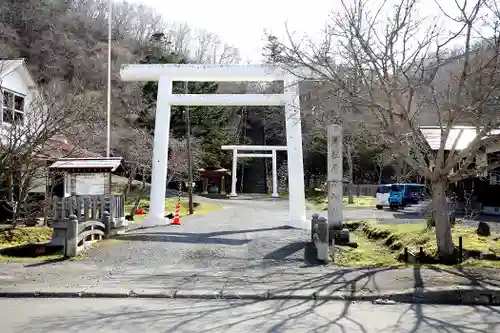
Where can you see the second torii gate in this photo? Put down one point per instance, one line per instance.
(236, 154)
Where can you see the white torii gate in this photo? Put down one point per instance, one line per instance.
(165, 74)
(236, 154)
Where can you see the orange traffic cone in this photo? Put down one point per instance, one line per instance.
(177, 219)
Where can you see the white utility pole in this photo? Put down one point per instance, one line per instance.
(108, 126)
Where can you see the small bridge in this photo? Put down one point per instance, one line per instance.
(82, 220)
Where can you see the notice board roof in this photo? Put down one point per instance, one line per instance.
(109, 164)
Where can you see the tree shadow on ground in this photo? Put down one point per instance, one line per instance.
(191, 237)
(194, 239)
(285, 251)
(40, 253)
(280, 316)
(47, 262)
(220, 233)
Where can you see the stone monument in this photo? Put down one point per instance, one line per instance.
(337, 233)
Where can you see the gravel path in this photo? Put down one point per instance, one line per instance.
(241, 246)
(244, 239)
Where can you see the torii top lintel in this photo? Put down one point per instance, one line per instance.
(207, 72)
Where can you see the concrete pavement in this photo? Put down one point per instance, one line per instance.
(225, 316)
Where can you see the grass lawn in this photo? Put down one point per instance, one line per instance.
(281, 195)
(23, 241)
(382, 245)
(199, 209)
(25, 235)
(321, 203)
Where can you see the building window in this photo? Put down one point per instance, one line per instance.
(12, 108)
(305, 97)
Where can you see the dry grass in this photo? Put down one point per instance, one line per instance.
(201, 209)
(381, 245)
(21, 237)
(25, 235)
(320, 203)
(367, 254)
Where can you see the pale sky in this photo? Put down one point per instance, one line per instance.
(242, 23)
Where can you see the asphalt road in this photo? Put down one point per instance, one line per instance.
(411, 214)
(183, 316)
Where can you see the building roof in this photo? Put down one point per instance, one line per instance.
(59, 147)
(8, 65)
(432, 135)
(103, 163)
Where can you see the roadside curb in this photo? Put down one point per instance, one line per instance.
(448, 296)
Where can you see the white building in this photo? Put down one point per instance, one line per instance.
(20, 105)
(18, 89)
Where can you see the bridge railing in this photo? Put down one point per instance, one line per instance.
(74, 235)
(80, 220)
(91, 207)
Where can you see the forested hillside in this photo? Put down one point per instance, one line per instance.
(65, 45)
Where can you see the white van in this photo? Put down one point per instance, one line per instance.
(382, 196)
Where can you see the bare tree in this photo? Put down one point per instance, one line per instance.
(137, 150)
(406, 67)
(178, 159)
(326, 108)
(27, 139)
(208, 48)
(382, 160)
(135, 146)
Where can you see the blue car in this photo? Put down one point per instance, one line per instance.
(402, 195)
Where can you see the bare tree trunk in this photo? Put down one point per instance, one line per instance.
(142, 191)
(399, 171)
(138, 200)
(350, 171)
(444, 240)
(131, 177)
(380, 170)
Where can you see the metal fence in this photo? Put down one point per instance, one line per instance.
(368, 190)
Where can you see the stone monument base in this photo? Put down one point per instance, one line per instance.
(341, 236)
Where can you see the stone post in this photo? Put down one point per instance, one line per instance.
(106, 219)
(335, 177)
(314, 222)
(321, 239)
(71, 244)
